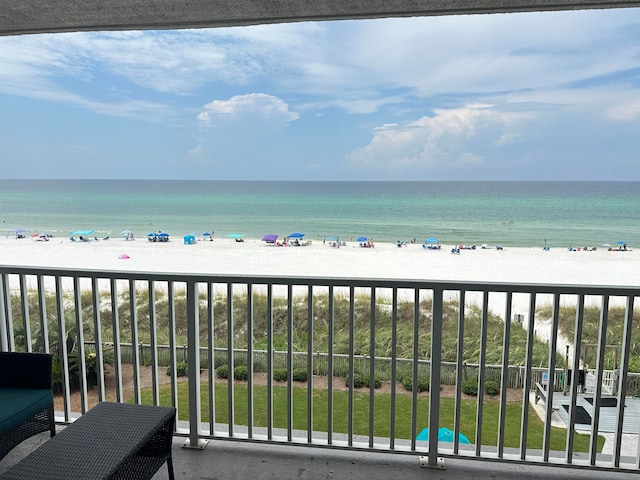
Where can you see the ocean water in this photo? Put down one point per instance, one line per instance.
(508, 213)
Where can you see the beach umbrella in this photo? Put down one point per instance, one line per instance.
(444, 435)
(206, 234)
(236, 235)
(361, 239)
(296, 235)
(270, 238)
(621, 243)
(332, 238)
(431, 240)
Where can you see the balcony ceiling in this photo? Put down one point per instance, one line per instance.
(41, 16)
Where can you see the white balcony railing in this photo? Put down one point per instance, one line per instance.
(395, 332)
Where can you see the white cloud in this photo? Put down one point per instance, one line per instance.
(451, 137)
(247, 108)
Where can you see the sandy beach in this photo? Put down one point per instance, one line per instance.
(385, 260)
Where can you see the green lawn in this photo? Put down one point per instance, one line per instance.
(382, 414)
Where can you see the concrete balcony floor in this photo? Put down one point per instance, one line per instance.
(231, 460)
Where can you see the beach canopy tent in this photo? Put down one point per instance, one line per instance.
(18, 232)
(296, 235)
(158, 236)
(189, 240)
(444, 435)
(81, 234)
(270, 238)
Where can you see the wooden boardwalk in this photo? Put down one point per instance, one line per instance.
(608, 414)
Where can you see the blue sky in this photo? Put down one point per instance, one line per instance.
(531, 96)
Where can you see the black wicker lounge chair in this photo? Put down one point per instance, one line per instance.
(26, 398)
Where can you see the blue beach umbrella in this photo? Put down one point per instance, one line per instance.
(431, 240)
(296, 235)
(361, 239)
(444, 435)
(332, 238)
(236, 235)
(621, 242)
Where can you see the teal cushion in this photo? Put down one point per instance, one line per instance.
(20, 404)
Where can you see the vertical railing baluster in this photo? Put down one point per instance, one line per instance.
(414, 370)
(193, 372)
(173, 358)
(622, 386)
(577, 342)
(44, 324)
(82, 364)
(26, 323)
(310, 369)
(352, 332)
(62, 350)
(97, 337)
(270, 361)
(250, 360)
(289, 362)
(524, 423)
(135, 343)
(153, 340)
(231, 364)
(4, 332)
(372, 366)
(211, 353)
(117, 351)
(394, 367)
(330, 308)
(435, 377)
(551, 370)
(460, 365)
(6, 293)
(597, 397)
(504, 379)
(481, 370)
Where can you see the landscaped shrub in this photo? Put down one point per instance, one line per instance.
(470, 387)
(241, 372)
(423, 384)
(360, 381)
(299, 374)
(222, 371)
(491, 388)
(182, 368)
(280, 374)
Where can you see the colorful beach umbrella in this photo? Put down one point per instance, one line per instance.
(83, 233)
(361, 239)
(296, 235)
(431, 240)
(236, 235)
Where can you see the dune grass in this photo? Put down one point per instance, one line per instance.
(382, 414)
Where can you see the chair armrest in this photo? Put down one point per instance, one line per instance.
(25, 370)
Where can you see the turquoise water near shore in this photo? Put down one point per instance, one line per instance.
(509, 213)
